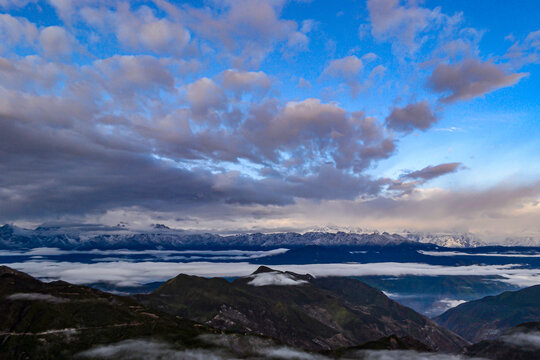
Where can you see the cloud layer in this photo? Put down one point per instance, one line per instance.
(190, 114)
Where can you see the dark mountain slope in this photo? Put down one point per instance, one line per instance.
(299, 310)
(518, 343)
(488, 317)
(55, 320)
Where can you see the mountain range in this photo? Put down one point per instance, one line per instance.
(161, 237)
(256, 316)
(299, 310)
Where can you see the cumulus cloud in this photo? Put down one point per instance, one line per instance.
(205, 95)
(16, 31)
(469, 79)
(246, 81)
(415, 116)
(348, 70)
(56, 41)
(140, 29)
(247, 29)
(347, 67)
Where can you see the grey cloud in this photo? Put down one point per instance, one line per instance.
(349, 66)
(247, 29)
(56, 41)
(140, 29)
(246, 81)
(411, 117)
(205, 95)
(469, 79)
(126, 77)
(348, 70)
(431, 172)
(16, 31)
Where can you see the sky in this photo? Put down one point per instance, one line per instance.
(272, 115)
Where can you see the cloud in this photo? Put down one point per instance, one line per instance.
(349, 66)
(247, 29)
(139, 30)
(348, 70)
(403, 25)
(527, 340)
(128, 273)
(409, 355)
(241, 82)
(274, 278)
(415, 116)
(205, 95)
(431, 172)
(229, 349)
(16, 31)
(56, 41)
(36, 297)
(469, 79)
(304, 84)
(526, 51)
(144, 349)
(15, 3)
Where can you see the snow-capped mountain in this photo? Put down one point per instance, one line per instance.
(85, 237)
(447, 240)
(12, 237)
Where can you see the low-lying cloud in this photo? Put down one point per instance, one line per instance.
(274, 278)
(126, 273)
(229, 350)
(37, 297)
(528, 340)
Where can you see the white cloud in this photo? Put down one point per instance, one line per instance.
(529, 340)
(274, 278)
(126, 273)
(144, 349)
(459, 253)
(36, 297)
(450, 303)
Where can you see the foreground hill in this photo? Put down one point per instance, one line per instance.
(489, 317)
(56, 320)
(518, 343)
(299, 310)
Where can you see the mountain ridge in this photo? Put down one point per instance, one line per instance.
(297, 309)
(162, 237)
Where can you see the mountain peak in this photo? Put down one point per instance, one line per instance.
(263, 269)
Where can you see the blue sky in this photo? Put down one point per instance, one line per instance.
(272, 114)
